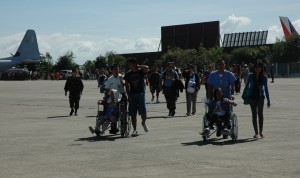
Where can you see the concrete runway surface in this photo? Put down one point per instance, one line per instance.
(39, 139)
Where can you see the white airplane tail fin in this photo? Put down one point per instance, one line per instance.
(287, 26)
(29, 46)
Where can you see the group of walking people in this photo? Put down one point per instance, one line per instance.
(219, 86)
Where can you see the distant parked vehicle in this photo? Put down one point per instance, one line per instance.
(64, 74)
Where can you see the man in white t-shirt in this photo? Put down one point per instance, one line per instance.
(115, 81)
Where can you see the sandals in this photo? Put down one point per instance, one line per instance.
(260, 134)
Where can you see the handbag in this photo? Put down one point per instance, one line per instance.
(246, 95)
(191, 85)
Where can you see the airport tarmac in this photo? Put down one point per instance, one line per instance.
(39, 139)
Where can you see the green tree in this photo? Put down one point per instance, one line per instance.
(249, 55)
(46, 63)
(287, 50)
(264, 54)
(199, 58)
(209, 56)
(114, 58)
(89, 66)
(187, 57)
(100, 62)
(66, 62)
(172, 55)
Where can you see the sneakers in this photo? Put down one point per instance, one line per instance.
(98, 131)
(92, 129)
(188, 114)
(157, 101)
(75, 112)
(152, 98)
(134, 133)
(206, 131)
(145, 127)
(225, 131)
(255, 136)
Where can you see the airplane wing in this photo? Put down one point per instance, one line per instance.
(29, 61)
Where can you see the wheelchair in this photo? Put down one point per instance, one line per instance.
(213, 128)
(122, 124)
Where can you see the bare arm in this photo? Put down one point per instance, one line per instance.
(232, 88)
(145, 68)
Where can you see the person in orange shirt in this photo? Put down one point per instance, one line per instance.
(57, 75)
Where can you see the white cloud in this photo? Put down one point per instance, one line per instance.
(84, 47)
(143, 44)
(233, 23)
(296, 24)
(274, 32)
(9, 44)
(87, 47)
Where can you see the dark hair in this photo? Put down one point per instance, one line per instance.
(113, 66)
(133, 60)
(215, 92)
(170, 64)
(220, 60)
(260, 64)
(191, 67)
(74, 69)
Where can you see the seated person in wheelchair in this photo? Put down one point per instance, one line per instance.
(219, 112)
(110, 102)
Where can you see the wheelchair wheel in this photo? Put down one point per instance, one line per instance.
(128, 124)
(125, 124)
(234, 127)
(204, 123)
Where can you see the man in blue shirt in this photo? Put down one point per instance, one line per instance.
(221, 78)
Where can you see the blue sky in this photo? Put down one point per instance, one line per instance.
(93, 27)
